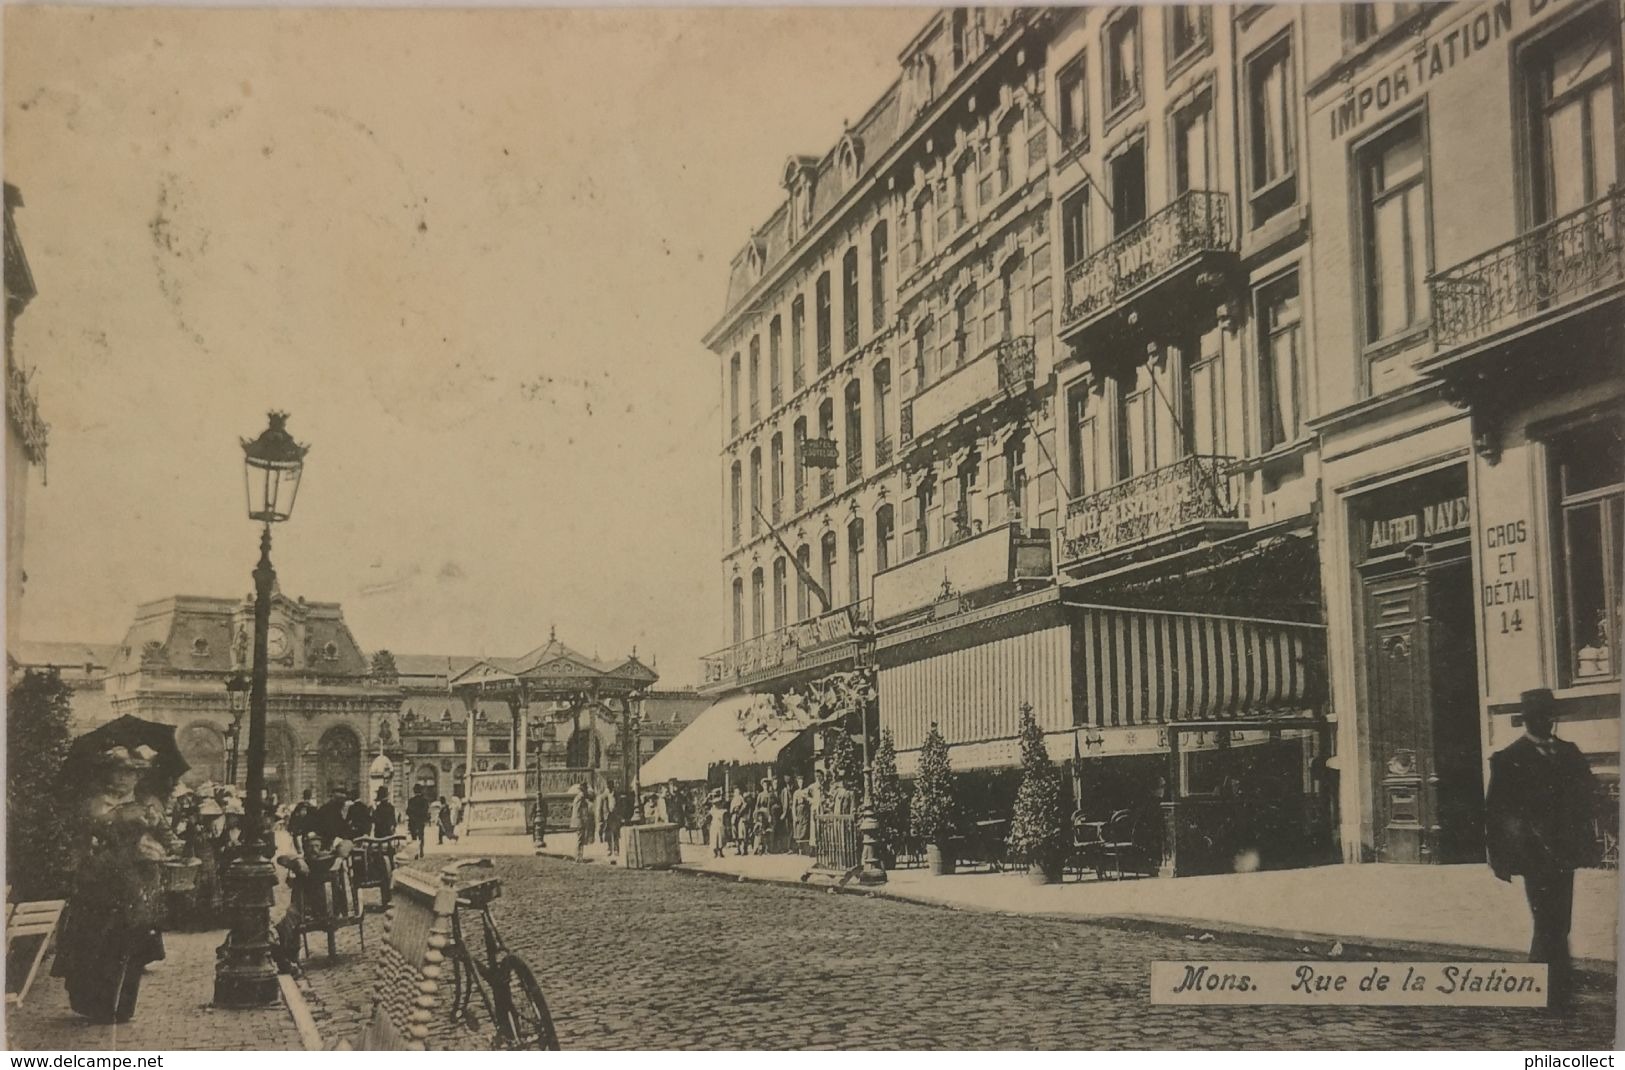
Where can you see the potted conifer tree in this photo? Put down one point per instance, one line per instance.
(1037, 833)
(887, 800)
(932, 805)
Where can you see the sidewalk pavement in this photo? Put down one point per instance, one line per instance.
(171, 1014)
(1415, 910)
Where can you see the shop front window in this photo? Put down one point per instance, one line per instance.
(1588, 471)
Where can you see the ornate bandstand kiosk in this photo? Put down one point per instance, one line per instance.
(575, 721)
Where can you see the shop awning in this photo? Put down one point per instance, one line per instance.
(1149, 667)
(723, 733)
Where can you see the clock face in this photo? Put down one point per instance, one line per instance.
(276, 641)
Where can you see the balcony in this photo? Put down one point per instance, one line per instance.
(975, 562)
(801, 497)
(778, 509)
(1555, 266)
(883, 450)
(905, 423)
(22, 405)
(798, 374)
(814, 642)
(823, 355)
(1152, 252)
(1004, 369)
(826, 484)
(776, 394)
(1191, 496)
(854, 468)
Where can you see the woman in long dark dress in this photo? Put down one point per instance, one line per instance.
(110, 930)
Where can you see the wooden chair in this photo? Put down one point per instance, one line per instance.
(327, 900)
(30, 935)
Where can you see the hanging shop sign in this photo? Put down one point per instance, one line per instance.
(819, 453)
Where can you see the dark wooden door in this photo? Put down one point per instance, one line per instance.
(1397, 694)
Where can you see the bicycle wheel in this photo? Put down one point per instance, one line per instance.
(462, 974)
(522, 1014)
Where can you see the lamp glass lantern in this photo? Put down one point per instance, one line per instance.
(237, 692)
(272, 465)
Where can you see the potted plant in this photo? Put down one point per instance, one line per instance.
(932, 805)
(1036, 829)
(887, 800)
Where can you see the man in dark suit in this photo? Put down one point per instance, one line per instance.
(417, 817)
(329, 821)
(383, 815)
(1538, 817)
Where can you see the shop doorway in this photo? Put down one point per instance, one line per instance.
(1422, 697)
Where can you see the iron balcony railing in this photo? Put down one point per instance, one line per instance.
(854, 467)
(798, 374)
(883, 450)
(826, 484)
(801, 496)
(778, 508)
(1006, 367)
(1569, 258)
(22, 406)
(823, 355)
(776, 394)
(784, 647)
(905, 423)
(1196, 222)
(1193, 490)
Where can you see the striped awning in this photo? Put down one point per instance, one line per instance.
(1148, 667)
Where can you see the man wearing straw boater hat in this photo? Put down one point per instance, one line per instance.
(1539, 813)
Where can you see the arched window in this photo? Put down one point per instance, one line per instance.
(758, 614)
(781, 594)
(849, 299)
(883, 538)
(739, 609)
(854, 561)
(881, 417)
(736, 498)
(733, 395)
(822, 324)
(826, 430)
(775, 474)
(798, 469)
(854, 431)
(964, 325)
(826, 564)
(922, 356)
(804, 556)
(964, 183)
(755, 379)
(755, 490)
(775, 362)
(878, 256)
(924, 217)
(1012, 151)
(338, 760)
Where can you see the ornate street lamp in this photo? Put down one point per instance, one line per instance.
(237, 691)
(244, 974)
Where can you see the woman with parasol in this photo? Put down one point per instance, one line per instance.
(112, 920)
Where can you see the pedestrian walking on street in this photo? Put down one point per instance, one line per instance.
(383, 816)
(110, 930)
(1539, 816)
(417, 817)
(609, 817)
(801, 816)
(445, 828)
(717, 823)
(581, 810)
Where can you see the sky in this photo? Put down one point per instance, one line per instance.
(471, 253)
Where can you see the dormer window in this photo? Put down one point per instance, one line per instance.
(200, 647)
(849, 158)
(331, 651)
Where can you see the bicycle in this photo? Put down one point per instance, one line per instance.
(513, 1000)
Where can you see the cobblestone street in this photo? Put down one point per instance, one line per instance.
(665, 960)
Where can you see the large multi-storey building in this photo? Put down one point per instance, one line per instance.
(1257, 410)
(1469, 266)
(1087, 314)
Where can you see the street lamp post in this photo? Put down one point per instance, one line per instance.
(237, 691)
(245, 975)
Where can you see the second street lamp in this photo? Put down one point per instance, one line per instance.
(237, 692)
(244, 974)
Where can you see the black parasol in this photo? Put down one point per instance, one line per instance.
(129, 732)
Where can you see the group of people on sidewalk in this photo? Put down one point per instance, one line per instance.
(777, 816)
